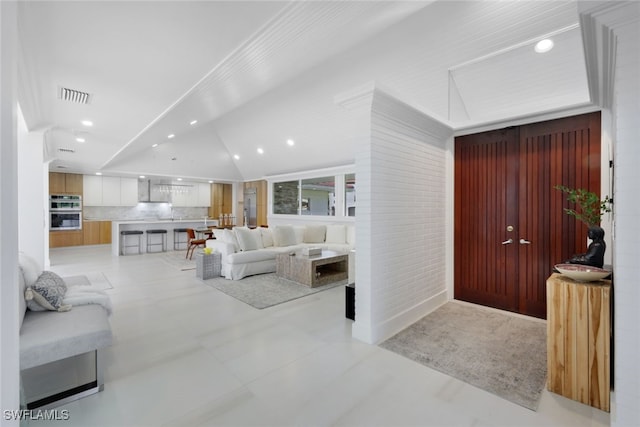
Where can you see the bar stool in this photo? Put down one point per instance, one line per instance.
(162, 243)
(123, 241)
(176, 238)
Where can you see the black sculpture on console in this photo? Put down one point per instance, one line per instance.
(595, 252)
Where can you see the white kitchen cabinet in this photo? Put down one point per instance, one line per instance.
(110, 191)
(195, 194)
(92, 190)
(204, 195)
(128, 192)
(181, 196)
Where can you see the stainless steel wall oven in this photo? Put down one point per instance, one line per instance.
(65, 202)
(69, 220)
(65, 212)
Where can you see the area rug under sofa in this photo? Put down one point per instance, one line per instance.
(265, 290)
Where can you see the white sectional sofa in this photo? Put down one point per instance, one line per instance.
(246, 252)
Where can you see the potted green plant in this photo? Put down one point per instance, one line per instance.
(590, 207)
(589, 210)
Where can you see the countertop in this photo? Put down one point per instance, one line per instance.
(150, 221)
(143, 225)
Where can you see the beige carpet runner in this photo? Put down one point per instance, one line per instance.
(500, 353)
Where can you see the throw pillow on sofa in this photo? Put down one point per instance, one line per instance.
(314, 233)
(299, 231)
(267, 237)
(284, 235)
(336, 234)
(47, 293)
(228, 236)
(248, 240)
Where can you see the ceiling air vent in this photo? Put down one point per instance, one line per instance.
(73, 95)
(66, 150)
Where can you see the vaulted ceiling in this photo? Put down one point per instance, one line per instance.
(255, 74)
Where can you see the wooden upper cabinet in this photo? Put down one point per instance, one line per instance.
(57, 184)
(65, 183)
(221, 200)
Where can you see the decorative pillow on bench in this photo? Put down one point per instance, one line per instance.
(47, 293)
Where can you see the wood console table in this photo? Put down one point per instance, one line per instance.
(579, 340)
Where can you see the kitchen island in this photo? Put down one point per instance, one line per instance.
(144, 225)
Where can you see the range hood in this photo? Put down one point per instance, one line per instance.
(149, 191)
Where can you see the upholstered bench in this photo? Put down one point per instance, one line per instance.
(51, 336)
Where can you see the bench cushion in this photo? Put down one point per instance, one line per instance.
(47, 336)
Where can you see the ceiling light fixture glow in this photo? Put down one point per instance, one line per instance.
(179, 179)
(193, 122)
(260, 151)
(544, 46)
(235, 156)
(142, 177)
(98, 173)
(79, 139)
(87, 123)
(291, 142)
(155, 145)
(171, 136)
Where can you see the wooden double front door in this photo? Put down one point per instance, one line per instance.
(510, 226)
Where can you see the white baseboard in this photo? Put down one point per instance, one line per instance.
(374, 334)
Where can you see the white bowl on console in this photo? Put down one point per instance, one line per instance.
(582, 273)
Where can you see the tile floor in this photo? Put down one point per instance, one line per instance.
(187, 355)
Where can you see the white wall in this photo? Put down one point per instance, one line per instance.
(32, 197)
(626, 111)
(9, 360)
(401, 226)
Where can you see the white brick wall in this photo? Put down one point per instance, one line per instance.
(627, 225)
(401, 227)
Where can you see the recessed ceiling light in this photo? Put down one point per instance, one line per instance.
(142, 177)
(291, 142)
(155, 145)
(260, 151)
(80, 139)
(179, 179)
(544, 46)
(235, 156)
(98, 173)
(171, 136)
(193, 122)
(210, 182)
(87, 123)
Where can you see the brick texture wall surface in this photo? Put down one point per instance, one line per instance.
(401, 195)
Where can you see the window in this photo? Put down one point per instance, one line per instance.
(350, 194)
(286, 197)
(319, 196)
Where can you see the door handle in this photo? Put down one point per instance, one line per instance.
(524, 242)
(506, 242)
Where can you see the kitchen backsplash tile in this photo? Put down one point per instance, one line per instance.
(142, 211)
